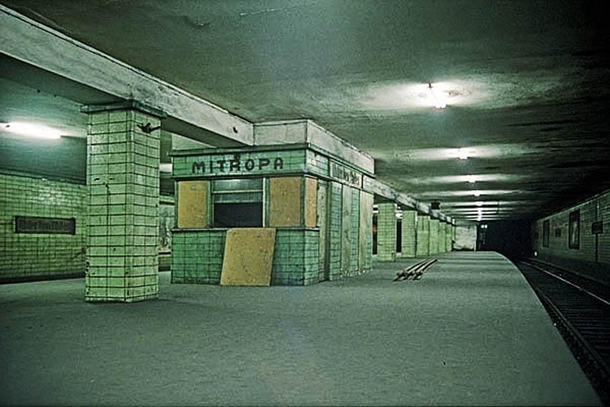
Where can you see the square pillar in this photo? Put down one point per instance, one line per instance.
(423, 236)
(409, 225)
(449, 237)
(386, 232)
(453, 236)
(123, 144)
(442, 238)
(433, 236)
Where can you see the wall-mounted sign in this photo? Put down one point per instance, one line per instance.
(33, 224)
(597, 228)
(230, 164)
(345, 174)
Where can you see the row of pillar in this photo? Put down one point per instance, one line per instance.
(123, 178)
(421, 235)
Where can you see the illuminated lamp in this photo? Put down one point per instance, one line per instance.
(30, 130)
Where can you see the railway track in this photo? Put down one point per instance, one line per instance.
(580, 309)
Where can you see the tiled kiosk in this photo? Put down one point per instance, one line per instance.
(295, 214)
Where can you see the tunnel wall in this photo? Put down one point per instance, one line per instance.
(43, 228)
(577, 237)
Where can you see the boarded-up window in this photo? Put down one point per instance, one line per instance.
(192, 204)
(311, 202)
(285, 202)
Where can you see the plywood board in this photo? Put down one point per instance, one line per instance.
(285, 201)
(346, 232)
(192, 204)
(248, 257)
(322, 209)
(366, 230)
(311, 186)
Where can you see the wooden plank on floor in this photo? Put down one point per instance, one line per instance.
(248, 257)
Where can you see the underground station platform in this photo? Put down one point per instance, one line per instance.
(470, 331)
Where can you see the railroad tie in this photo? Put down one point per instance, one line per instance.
(415, 270)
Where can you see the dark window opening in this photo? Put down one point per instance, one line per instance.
(238, 215)
(238, 203)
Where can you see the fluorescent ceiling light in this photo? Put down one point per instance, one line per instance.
(30, 130)
(165, 167)
(437, 98)
(471, 179)
(462, 154)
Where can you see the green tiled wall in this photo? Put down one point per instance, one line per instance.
(123, 217)
(386, 232)
(442, 238)
(433, 236)
(197, 256)
(335, 225)
(423, 236)
(317, 163)
(409, 222)
(354, 231)
(295, 257)
(37, 256)
(448, 237)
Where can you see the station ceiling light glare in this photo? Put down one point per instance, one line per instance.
(462, 154)
(30, 130)
(477, 193)
(165, 167)
(471, 179)
(436, 97)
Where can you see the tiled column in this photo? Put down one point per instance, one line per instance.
(409, 220)
(423, 236)
(123, 182)
(386, 232)
(442, 239)
(448, 236)
(433, 236)
(453, 234)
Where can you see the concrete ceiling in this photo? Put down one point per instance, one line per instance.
(526, 84)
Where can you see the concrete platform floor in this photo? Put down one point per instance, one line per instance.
(471, 332)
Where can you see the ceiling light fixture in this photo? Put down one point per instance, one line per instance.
(165, 167)
(438, 103)
(30, 130)
(462, 154)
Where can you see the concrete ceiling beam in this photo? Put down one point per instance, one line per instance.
(87, 75)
